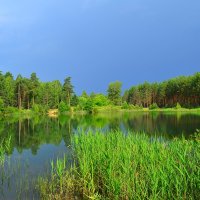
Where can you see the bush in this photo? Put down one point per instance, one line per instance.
(82, 102)
(153, 106)
(40, 109)
(178, 106)
(35, 108)
(89, 106)
(10, 110)
(100, 100)
(1, 105)
(125, 105)
(138, 107)
(78, 108)
(63, 107)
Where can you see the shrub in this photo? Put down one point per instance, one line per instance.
(178, 106)
(89, 106)
(138, 107)
(82, 102)
(10, 110)
(125, 105)
(36, 108)
(63, 107)
(100, 100)
(1, 105)
(153, 106)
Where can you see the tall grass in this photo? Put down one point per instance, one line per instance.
(133, 166)
(4, 146)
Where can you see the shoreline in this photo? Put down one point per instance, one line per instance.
(54, 113)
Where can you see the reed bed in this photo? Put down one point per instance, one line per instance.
(4, 146)
(133, 166)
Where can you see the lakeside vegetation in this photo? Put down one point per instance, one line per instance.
(109, 165)
(132, 166)
(4, 146)
(30, 95)
(34, 132)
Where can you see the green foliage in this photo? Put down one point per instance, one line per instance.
(89, 106)
(1, 105)
(67, 90)
(63, 107)
(39, 109)
(74, 100)
(178, 106)
(36, 108)
(138, 107)
(82, 102)
(115, 166)
(100, 100)
(125, 105)
(153, 106)
(33, 87)
(84, 94)
(11, 110)
(25, 92)
(114, 92)
(184, 90)
(4, 147)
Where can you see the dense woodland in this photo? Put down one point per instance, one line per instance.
(185, 90)
(27, 93)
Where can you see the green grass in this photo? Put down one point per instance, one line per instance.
(115, 166)
(177, 110)
(4, 146)
(137, 109)
(120, 109)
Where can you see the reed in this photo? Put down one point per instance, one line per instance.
(4, 146)
(132, 166)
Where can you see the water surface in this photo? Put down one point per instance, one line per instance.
(37, 141)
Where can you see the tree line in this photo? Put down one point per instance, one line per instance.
(184, 90)
(27, 92)
(31, 93)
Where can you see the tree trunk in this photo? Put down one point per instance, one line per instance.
(68, 99)
(28, 103)
(19, 98)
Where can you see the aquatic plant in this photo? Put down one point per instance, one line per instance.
(133, 166)
(4, 146)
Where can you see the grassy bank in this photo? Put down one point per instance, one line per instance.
(140, 109)
(114, 109)
(115, 166)
(11, 111)
(22, 113)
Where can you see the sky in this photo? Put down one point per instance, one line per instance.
(100, 41)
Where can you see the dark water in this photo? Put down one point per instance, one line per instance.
(37, 141)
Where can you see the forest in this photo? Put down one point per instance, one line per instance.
(31, 93)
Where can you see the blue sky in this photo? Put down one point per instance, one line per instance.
(99, 41)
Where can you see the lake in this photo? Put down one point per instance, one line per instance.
(36, 141)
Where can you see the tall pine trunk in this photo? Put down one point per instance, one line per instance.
(19, 97)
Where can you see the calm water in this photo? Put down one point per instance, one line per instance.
(37, 141)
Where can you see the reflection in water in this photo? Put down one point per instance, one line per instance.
(32, 133)
(38, 140)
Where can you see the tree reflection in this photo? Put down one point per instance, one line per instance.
(32, 133)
